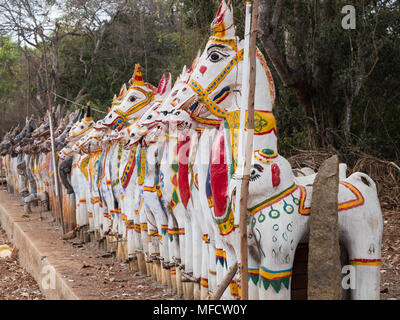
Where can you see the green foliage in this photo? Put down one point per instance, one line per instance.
(351, 74)
(9, 67)
(165, 35)
(12, 71)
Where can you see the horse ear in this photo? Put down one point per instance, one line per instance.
(194, 63)
(222, 26)
(81, 114)
(88, 111)
(184, 77)
(167, 86)
(161, 85)
(62, 109)
(177, 80)
(122, 92)
(58, 112)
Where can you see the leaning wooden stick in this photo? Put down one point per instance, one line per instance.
(225, 282)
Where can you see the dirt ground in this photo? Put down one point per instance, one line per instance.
(100, 276)
(113, 280)
(92, 273)
(15, 282)
(390, 270)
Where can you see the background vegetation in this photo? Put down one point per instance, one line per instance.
(337, 90)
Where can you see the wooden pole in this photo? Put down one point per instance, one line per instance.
(53, 151)
(1, 171)
(243, 108)
(244, 192)
(28, 107)
(225, 282)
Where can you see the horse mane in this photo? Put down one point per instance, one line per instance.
(271, 84)
(151, 87)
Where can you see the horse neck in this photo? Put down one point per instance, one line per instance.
(202, 158)
(114, 159)
(265, 88)
(151, 160)
(138, 114)
(169, 147)
(263, 103)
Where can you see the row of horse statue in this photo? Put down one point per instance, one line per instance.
(158, 175)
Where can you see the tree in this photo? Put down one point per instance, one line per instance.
(325, 65)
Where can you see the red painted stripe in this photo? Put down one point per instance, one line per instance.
(366, 260)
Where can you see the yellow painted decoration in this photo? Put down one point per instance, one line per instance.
(264, 123)
(142, 174)
(366, 262)
(204, 282)
(83, 166)
(137, 78)
(274, 275)
(138, 106)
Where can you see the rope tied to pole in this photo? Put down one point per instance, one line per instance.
(73, 102)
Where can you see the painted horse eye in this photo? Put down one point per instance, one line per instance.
(215, 56)
(149, 117)
(165, 113)
(177, 113)
(132, 99)
(132, 134)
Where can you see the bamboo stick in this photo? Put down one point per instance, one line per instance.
(244, 192)
(57, 186)
(225, 282)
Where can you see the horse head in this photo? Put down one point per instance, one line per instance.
(111, 136)
(214, 91)
(270, 175)
(60, 128)
(69, 121)
(65, 153)
(43, 129)
(131, 103)
(181, 121)
(90, 142)
(81, 127)
(150, 118)
(5, 144)
(26, 130)
(45, 146)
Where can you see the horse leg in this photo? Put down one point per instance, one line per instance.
(276, 261)
(362, 240)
